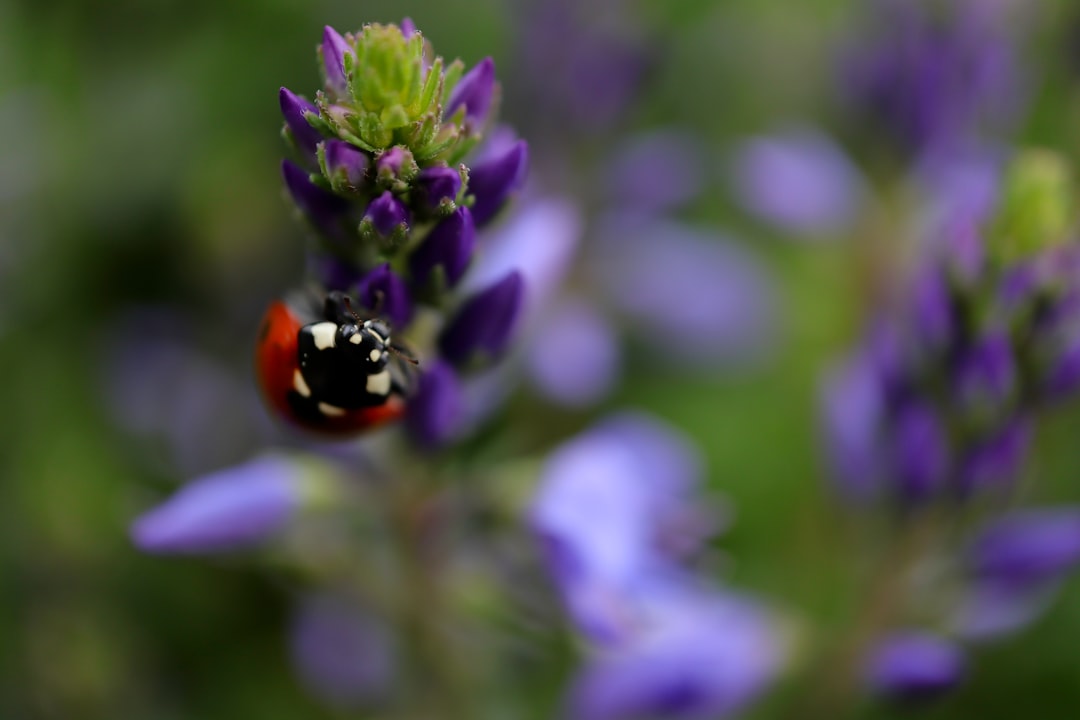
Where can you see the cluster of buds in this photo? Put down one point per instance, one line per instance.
(397, 166)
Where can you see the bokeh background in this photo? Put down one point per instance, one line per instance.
(143, 228)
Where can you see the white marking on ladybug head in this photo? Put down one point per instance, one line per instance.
(375, 333)
(323, 333)
(330, 410)
(379, 383)
(356, 338)
(299, 384)
(375, 355)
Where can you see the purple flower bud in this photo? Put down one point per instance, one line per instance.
(408, 27)
(449, 245)
(294, 109)
(226, 510)
(932, 307)
(485, 323)
(324, 209)
(333, 52)
(435, 411)
(331, 272)
(344, 656)
(493, 179)
(387, 214)
(853, 409)
(436, 185)
(987, 373)
(922, 452)
(345, 162)
(996, 462)
(1028, 546)
(915, 665)
(1064, 373)
(395, 163)
(475, 91)
(383, 292)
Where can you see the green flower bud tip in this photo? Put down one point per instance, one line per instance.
(1036, 208)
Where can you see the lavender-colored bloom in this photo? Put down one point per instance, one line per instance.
(333, 52)
(853, 411)
(993, 609)
(799, 181)
(485, 322)
(408, 27)
(915, 665)
(387, 214)
(697, 655)
(295, 109)
(345, 162)
(1028, 546)
(385, 293)
(987, 372)
(578, 329)
(656, 172)
(921, 449)
(392, 162)
(494, 177)
(435, 410)
(344, 656)
(932, 308)
(997, 461)
(474, 91)
(449, 245)
(710, 300)
(322, 208)
(226, 510)
(437, 185)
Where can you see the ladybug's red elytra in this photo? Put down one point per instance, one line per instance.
(326, 369)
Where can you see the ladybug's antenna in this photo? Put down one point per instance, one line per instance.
(403, 354)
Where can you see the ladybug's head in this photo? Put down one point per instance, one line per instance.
(367, 342)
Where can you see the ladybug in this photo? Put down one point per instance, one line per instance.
(327, 369)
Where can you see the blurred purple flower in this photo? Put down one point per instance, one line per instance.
(995, 461)
(655, 172)
(322, 208)
(853, 410)
(922, 458)
(574, 355)
(474, 92)
(384, 292)
(227, 510)
(799, 181)
(344, 656)
(709, 299)
(986, 376)
(911, 666)
(436, 409)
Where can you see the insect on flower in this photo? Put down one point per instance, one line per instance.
(328, 369)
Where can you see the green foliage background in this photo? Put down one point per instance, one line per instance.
(139, 154)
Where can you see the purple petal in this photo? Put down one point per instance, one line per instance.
(435, 410)
(474, 91)
(799, 181)
(449, 245)
(383, 292)
(437, 185)
(706, 656)
(1063, 377)
(294, 109)
(387, 214)
(394, 162)
(485, 323)
(987, 373)
(992, 609)
(853, 407)
(493, 180)
(323, 209)
(656, 172)
(915, 665)
(347, 162)
(1028, 546)
(932, 305)
(344, 656)
(408, 27)
(333, 50)
(577, 329)
(921, 452)
(227, 510)
(710, 300)
(997, 461)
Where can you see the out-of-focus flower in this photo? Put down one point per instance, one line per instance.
(656, 172)
(436, 408)
(343, 655)
(915, 665)
(575, 356)
(935, 76)
(230, 509)
(608, 503)
(799, 181)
